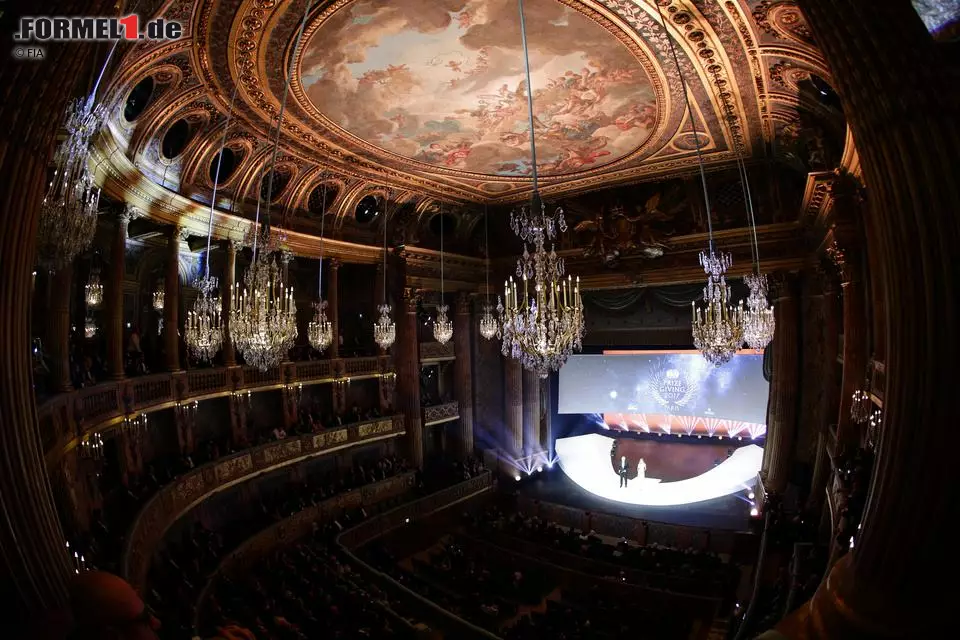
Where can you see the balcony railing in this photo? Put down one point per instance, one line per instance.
(65, 419)
(441, 413)
(178, 497)
(431, 352)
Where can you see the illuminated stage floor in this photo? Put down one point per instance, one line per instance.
(716, 494)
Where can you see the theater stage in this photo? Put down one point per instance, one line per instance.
(701, 485)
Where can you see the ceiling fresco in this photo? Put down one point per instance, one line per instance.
(421, 101)
(443, 83)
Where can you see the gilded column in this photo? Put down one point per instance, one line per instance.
(333, 305)
(58, 328)
(407, 354)
(546, 419)
(513, 407)
(34, 568)
(228, 283)
(531, 413)
(114, 295)
(463, 373)
(782, 413)
(855, 332)
(171, 301)
(900, 102)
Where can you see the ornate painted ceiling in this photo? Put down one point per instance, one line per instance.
(424, 102)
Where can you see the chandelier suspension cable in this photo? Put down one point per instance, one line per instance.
(486, 249)
(526, 68)
(386, 219)
(693, 124)
(216, 179)
(323, 219)
(276, 141)
(441, 253)
(747, 200)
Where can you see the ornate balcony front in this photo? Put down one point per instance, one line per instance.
(434, 352)
(441, 413)
(67, 418)
(190, 489)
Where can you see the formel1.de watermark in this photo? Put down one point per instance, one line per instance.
(36, 31)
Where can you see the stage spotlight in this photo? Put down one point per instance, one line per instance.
(517, 477)
(754, 512)
(613, 395)
(406, 520)
(751, 495)
(540, 469)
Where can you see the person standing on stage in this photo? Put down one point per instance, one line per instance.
(624, 470)
(641, 469)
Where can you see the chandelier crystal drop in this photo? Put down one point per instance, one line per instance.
(384, 331)
(718, 325)
(68, 212)
(489, 327)
(158, 297)
(93, 291)
(320, 329)
(263, 320)
(759, 324)
(442, 327)
(203, 332)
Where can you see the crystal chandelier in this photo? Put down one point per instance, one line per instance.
(158, 297)
(489, 327)
(542, 325)
(860, 406)
(89, 328)
(384, 330)
(442, 327)
(718, 326)
(203, 333)
(93, 291)
(263, 320)
(758, 320)
(68, 212)
(320, 329)
(488, 322)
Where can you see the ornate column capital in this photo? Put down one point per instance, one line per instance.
(129, 213)
(463, 303)
(335, 263)
(411, 298)
(782, 285)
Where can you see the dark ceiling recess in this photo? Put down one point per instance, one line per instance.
(175, 139)
(321, 198)
(227, 162)
(138, 99)
(449, 224)
(367, 209)
(825, 93)
(280, 181)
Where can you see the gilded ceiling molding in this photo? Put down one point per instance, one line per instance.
(123, 182)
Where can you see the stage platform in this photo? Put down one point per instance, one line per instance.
(731, 512)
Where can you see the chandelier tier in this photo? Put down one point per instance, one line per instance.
(68, 212)
(542, 324)
(263, 320)
(203, 332)
(93, 290)
(759, 324)
(442, 327)
(718, 326)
